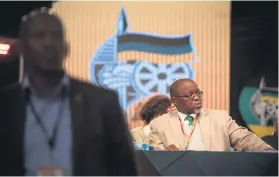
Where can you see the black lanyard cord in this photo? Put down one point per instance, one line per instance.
(51, 139)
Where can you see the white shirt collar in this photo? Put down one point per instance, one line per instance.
(65, 82)
(26, 83)
(182, 116)
(146, 130)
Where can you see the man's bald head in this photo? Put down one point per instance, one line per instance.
(177, 85)
(186, 96)
(43, 14)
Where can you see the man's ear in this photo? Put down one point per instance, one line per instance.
(173, 100)
(171, 108)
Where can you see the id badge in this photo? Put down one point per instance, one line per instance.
(50, 171)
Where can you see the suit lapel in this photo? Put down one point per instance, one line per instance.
(205, 128)
(20, 125)
(17, 118)
(76, 107)
(177, 128)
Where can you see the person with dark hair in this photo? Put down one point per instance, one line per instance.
(153, 108)
(61, 126)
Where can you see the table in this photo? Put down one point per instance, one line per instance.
(195, 163)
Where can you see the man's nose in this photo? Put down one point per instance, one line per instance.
(196, 98)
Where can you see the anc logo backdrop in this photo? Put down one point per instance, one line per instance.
(258, 107)
(138, 48)
(136, 79)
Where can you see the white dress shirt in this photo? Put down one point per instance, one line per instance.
(196, 142)
(146, 130)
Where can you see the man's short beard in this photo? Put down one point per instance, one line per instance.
(197, 111)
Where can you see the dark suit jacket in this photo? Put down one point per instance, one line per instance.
(101, 140)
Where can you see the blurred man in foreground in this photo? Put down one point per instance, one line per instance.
(59, 125)
(190, 127)
(153, 108)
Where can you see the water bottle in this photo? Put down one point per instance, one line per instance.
(138, 145)
(143, 146)
(151, 148)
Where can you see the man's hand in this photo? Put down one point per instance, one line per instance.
(172, 148)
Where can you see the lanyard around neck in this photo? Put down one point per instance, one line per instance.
(188, 137)
(51, 139)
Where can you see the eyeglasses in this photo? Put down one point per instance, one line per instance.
(199, 93)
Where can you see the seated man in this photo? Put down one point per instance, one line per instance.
(189, 127)
(153, 108)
